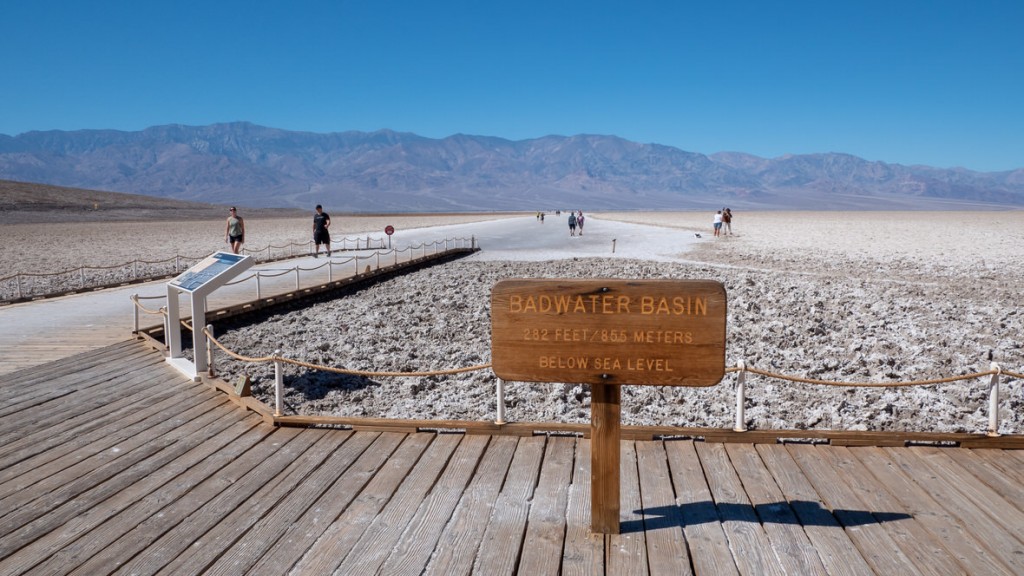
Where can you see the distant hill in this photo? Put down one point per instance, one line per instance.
(22, 202)
(386, 171)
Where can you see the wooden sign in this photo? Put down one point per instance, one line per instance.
(607, 331)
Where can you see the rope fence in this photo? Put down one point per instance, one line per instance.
(24, 285)
(995, 373)
(379, 258)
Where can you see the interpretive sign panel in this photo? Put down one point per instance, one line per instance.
(198, 282)
(609, 331)
(206, 270)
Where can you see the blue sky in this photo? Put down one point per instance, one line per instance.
(934, 82)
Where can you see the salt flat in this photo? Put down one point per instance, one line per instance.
(874, 296)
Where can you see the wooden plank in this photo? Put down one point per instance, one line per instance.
(224, 489)
(583, 554)
(751, 548)
(337, 540)
(79, 537)
(877, 544)
(962, 540)
(839, 556)
(545, 532)
(382, 535)
(97, 432)
(38, 351)
(303, 533)
(416, 544)
(43, 371)
(39, 379)
(49, 486)
(170, 484)
(1006, 482)
(456, 548)
(962, 484)
(662, 519)
(239, 557)
(1003, 461)
(63, 436)
(233, 529)
(792, 546)
(627, 552)
(502, 540)
(927, 553)
(705, 536)
(88, 418)
(345, 450)
(70, 499)
(59, 393)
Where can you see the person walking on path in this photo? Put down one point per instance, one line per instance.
(321, 222)
(718, 223)
(234, 233)
(726, 222)
(579, 222)
(572, 224)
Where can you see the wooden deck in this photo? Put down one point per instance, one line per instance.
(111, 462)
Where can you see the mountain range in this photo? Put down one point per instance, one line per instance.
(387, 171)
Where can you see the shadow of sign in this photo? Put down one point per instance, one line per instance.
(797, 512)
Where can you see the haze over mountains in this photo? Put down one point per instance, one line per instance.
(242, 163)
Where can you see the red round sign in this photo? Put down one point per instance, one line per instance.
(389, 230)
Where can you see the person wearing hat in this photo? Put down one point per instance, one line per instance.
(234, 234)
(321, 222)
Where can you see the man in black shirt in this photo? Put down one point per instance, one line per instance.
(321, 222)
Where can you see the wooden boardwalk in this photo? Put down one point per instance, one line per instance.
(53, 328)
(111, 462)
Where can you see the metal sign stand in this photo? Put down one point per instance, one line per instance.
(198, 281)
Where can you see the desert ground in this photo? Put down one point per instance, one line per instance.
(881, 297)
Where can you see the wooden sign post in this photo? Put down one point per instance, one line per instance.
(608, 333)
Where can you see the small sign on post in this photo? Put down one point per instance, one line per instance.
(608, 333)
(389, 230)
(198, 282)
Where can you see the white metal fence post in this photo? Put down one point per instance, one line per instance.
(278, 384)
(167, 327)
(296, 277)
(993, 402)
(500, 391)
(741, 380)
(135, 313)
(209, 350)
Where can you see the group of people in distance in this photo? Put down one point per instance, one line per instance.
(234, 233)
(575, 221)
(723, 222)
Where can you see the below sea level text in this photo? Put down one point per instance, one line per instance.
(631, 364)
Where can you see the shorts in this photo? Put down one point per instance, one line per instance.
(718, 225)
(321, 237)
(240, 238)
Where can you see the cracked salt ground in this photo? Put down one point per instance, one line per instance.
(845, 327)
